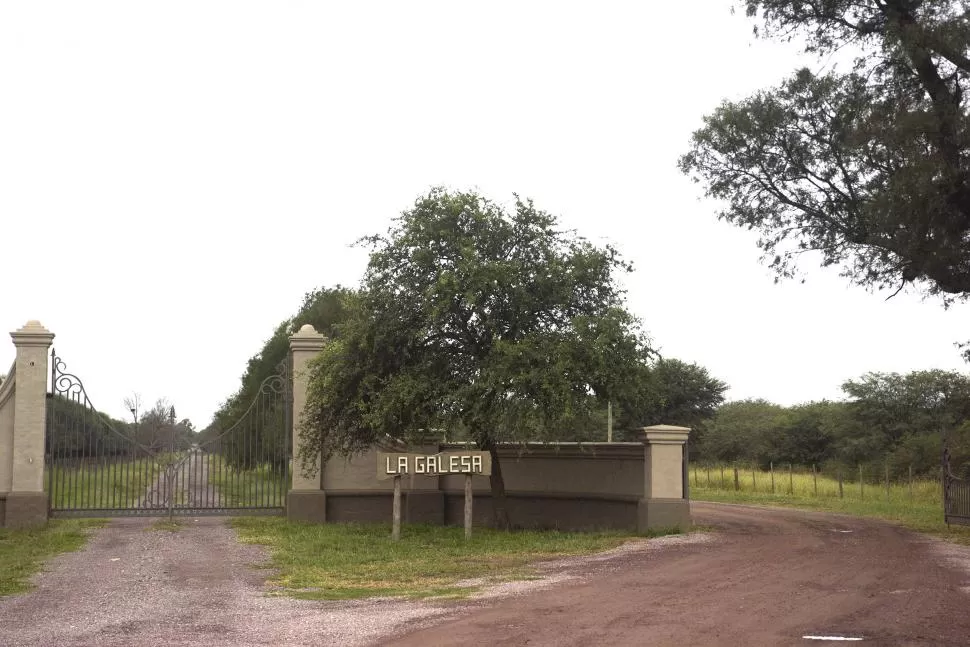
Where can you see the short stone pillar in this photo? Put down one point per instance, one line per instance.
(306, 500)
(664, 503)
(25, 502)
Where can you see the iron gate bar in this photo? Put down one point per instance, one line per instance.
(96, 470)
(956, 495)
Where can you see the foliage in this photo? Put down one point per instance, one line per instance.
(232, 429)
(867, 167)
(490, 324)
(741, 430)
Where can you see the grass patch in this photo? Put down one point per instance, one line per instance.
(918, 506)
(343, 561)
(23, 552)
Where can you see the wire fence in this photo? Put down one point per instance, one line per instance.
(802, 481)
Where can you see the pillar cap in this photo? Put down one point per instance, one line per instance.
(307, 339)
(32, 334)
(665, 435)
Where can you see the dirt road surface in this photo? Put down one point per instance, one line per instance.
(770, 578)
(762, 577)
(133, 586)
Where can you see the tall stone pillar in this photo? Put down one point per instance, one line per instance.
(306, 500)
(664, 503)
(26, 502)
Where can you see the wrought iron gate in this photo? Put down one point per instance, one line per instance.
(99, 467)
(956, 495)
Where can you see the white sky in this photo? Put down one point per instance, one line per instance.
(175, 176)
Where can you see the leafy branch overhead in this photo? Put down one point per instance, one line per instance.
(866, 168)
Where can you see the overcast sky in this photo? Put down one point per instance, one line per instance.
(175, 176)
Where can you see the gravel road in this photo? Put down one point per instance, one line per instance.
(136, 586)
(764, 577)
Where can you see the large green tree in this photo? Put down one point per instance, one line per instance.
(492, 324)
(868, 167)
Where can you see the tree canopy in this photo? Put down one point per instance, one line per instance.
(490, 324)
(868, 167)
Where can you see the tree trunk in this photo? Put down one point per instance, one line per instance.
(499, 510)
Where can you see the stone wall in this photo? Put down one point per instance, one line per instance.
(570, 486)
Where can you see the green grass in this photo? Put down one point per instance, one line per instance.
(255, 487)
(919, 508)
(23, 552)
(341, 561)
(114, 485)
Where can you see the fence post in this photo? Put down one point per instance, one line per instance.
(754, 483)
(771, 468)
(840, 483)
(737, 483)
(708, 468)
(720, 485)
(887, 480)
(910, 483)
(791, 481)
(862, 492)
(814, 479)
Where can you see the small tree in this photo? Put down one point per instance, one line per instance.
(494, 326)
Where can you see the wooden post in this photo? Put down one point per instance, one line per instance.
(862, 490)
(737, 483)
(396, 510)
(771, 468)
(910, 483)
(708, 477)
(814, 479)
(721, 484)
(791, 481)
(887, 480)
(468, 506)
(754, 483)
(840, 482)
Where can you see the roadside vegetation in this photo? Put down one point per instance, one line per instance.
(24, 552)
(343, 561)
(917, 505)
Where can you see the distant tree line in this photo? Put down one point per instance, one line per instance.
(75, 430)
(902, 419)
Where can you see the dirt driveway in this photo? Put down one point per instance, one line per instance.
(765, 577)
(770, 578)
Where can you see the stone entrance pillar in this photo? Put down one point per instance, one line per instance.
(26, 503)
(664, 503)
(306, 500)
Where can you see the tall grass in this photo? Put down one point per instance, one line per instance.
(103, 485)
(260, 486)
(800, 482)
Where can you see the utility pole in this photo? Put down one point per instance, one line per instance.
(609, 421)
